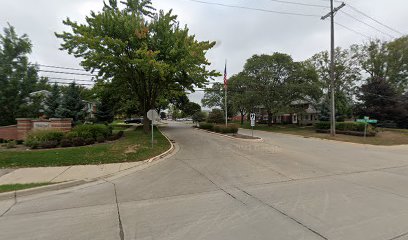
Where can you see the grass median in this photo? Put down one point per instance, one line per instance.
(15, 187)
(134, 146)
(385, 137)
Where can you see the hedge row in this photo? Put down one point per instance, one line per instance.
(219, 128)
(80, 136)
(348, 128)
(345, 126)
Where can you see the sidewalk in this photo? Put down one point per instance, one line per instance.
(62, 174)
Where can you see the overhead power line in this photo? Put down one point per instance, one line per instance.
(69, 73)
(69, 79)
(375, 20)
(298, 3)
(80, 84)
(255, 9)
(352, 30)
(371, 26)
(60, 67)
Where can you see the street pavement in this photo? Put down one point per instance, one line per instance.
(286, 187)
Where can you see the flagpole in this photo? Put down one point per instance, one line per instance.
(225, 92)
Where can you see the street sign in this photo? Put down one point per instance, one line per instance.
(366, 120)
(152, 115)
(252, 117)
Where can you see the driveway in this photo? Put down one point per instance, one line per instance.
(286, 187)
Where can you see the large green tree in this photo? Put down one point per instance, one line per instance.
(280, 81)
(214, 97)
(71, 105)
(347, 75)
(147, 51)
(18, 78)
(52, 102)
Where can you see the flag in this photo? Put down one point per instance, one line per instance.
(225, 77)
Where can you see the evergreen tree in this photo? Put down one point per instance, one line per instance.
(17, 76)
(53, 101)
(104, 111)
(71, 105)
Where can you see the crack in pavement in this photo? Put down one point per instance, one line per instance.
(203, 175)
(283, 213)
(399, 236)
(121, 232)
(15, 202)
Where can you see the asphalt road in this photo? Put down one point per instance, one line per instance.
(286, 187)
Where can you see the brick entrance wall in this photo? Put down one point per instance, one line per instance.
(8, 132)
(25, 125)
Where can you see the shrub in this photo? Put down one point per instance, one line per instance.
(66, 142)
(36, 138)
(11, 144)
(230, 129)
(1, 140)
(216, 116)
(346, 127)
(322, 125)
(206, 126)
(19, 142)
(120, 134)
(100, 139)
(112, 138)
(71, 135)
(49, 144)
(78, 141)
(92, 130)
(89, 141)
(216, 128)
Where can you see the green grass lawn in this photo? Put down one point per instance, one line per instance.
(15, 187)
(134, 146)
(386, 137)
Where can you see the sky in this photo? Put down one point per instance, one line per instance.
(239, 33)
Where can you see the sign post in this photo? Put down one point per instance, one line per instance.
(366, 121)
(152, 115)
(253, 117)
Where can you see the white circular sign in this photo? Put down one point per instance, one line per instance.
(152, 114)
(252, 116)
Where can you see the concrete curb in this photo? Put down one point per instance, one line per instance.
(63, 185)
(226, 136)
(332, 140)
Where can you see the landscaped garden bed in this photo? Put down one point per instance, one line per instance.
(134, 146)
(348, 128)
(81, 135)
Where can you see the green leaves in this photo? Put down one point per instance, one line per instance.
(144, 50)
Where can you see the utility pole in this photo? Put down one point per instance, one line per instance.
(332, 67)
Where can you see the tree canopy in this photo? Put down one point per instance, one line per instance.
(140, 48)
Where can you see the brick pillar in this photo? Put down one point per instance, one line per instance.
(64, 124)
(24, 125)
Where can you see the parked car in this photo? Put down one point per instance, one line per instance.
(134, 120)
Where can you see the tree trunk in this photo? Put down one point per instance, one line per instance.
(242, 118)
(269, 118)
(146, 123)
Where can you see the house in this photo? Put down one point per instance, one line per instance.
(301, 113)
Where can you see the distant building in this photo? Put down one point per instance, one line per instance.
(301, 113)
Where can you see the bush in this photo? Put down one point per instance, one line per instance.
(36, 138)
(216, 116)
(216, 128)
(1, 140)
(11, 144)
(230, 129)
(92, 130)
(71, 135)
(206, 126)
(65, 142)
(19, 142)
(120, 134)
(345, 126)
(89, 141)
(49, 144)
(78, 141)
(100, 139)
